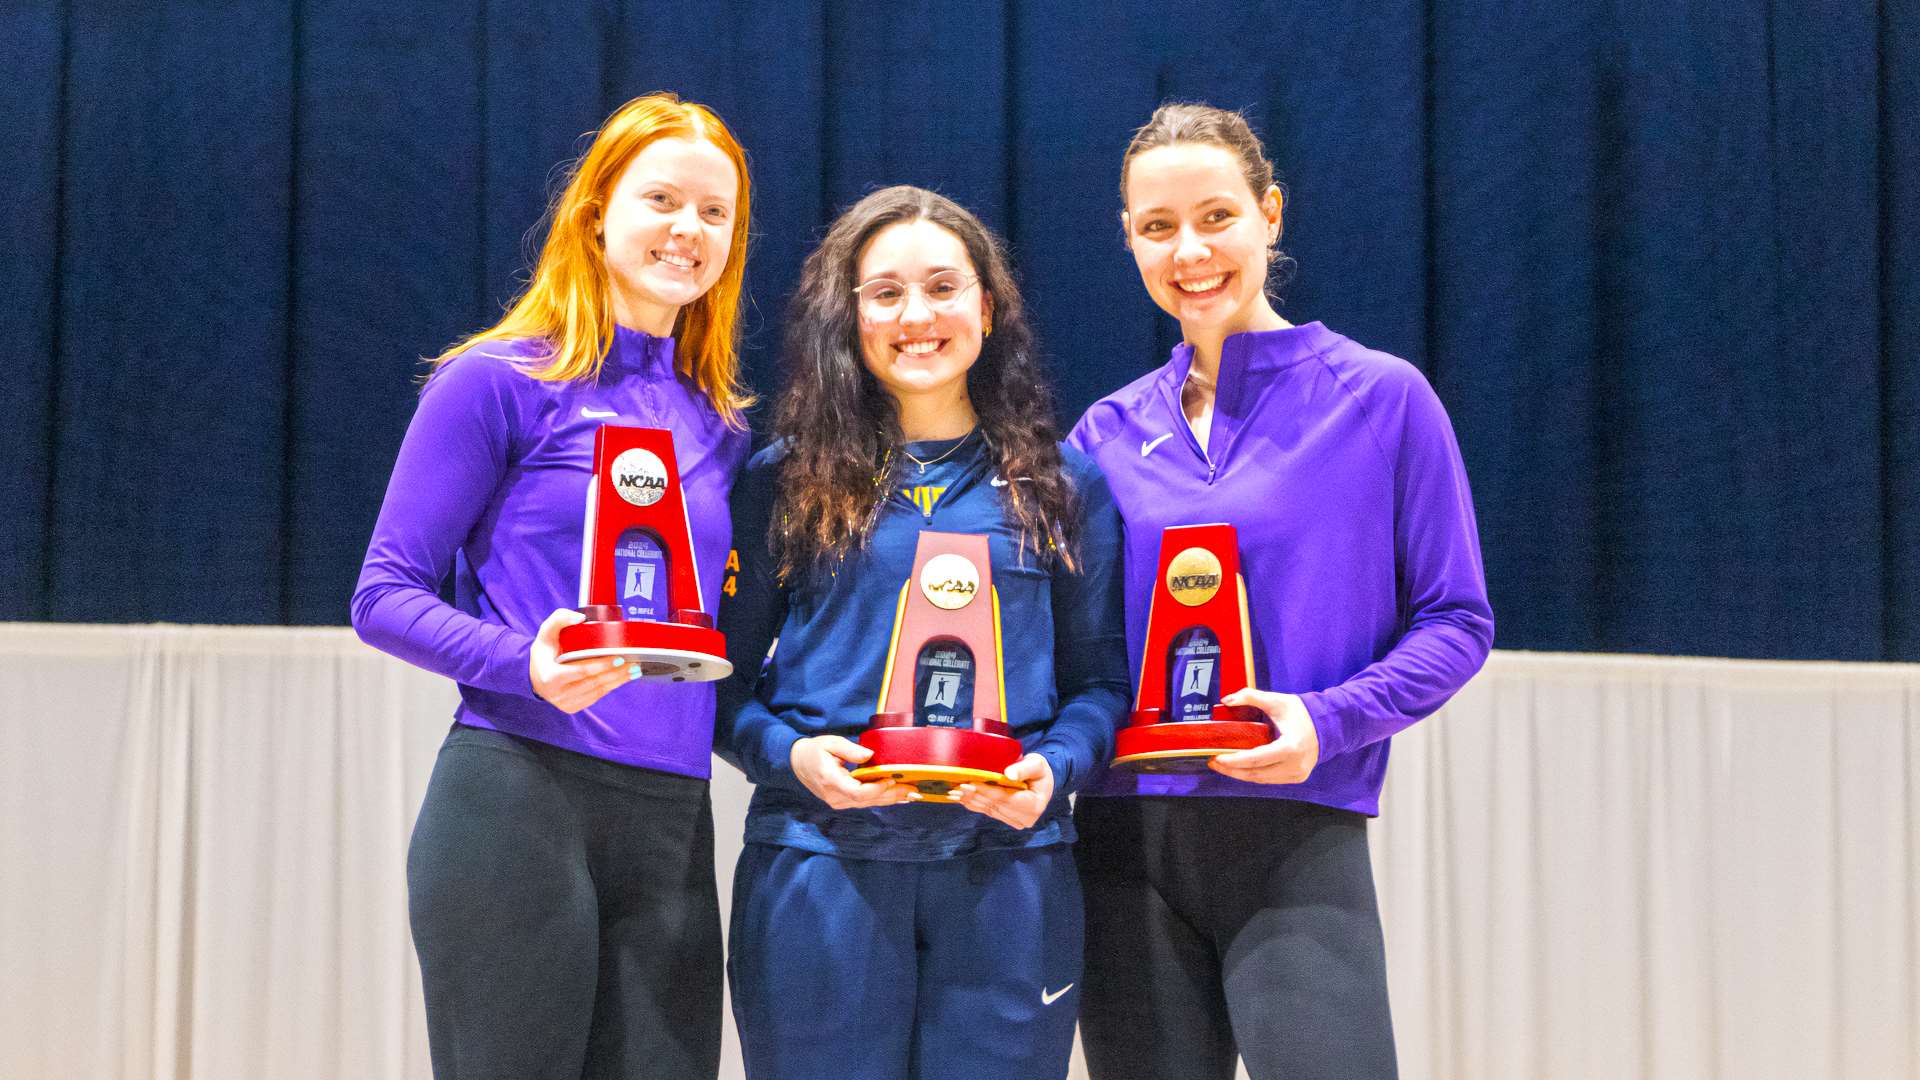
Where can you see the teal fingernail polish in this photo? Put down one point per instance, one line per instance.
(633, 672)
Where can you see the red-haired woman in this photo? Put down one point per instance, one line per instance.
(560, 879)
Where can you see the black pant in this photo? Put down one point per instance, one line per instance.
(1222, 925)
(565, 914)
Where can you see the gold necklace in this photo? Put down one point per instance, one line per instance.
(937, 460)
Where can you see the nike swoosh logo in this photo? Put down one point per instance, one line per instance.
(1147, 447)
(596, 414)
(1048, 999)
(997, 482)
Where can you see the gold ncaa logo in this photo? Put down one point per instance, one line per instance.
(949, 581)
(1194, 576)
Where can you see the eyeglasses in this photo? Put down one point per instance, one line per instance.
(885, 298)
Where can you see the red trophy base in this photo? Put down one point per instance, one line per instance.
(1148, 746)
(687, 649)
(935, 760)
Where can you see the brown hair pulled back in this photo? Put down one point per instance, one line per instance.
(1191, 122)
(1185, 122)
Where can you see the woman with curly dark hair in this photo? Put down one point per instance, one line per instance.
(876, 934)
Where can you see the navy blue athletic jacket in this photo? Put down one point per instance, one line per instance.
(1063, 640)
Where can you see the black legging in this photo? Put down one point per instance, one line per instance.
(565, 914)
(1224, 924)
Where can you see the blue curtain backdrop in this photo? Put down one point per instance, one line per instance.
(1657, 257)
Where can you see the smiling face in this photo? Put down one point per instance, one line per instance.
(1201, 238)
(667, 228)
(921, 350)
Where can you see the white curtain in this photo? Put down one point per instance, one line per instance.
(1589, 866)
(1598, 866)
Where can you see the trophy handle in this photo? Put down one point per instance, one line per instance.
(996, 725)
(893, 650)
(586, 538)
(1246, 633)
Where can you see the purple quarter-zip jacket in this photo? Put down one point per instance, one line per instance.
(1339, 470)
(491, 486)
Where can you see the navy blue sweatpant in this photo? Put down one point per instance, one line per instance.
(859, 969)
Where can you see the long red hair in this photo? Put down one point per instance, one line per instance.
(568, 303)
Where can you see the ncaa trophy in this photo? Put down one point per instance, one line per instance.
(1198, 650)
(941, 720)
(639, 584)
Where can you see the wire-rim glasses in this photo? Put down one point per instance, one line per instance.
(885, 298)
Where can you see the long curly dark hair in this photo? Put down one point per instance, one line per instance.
(842, 429)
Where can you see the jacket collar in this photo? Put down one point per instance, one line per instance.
(1246, 362)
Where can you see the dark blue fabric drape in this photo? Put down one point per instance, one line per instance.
(1656, 257)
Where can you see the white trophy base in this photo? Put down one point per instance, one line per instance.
(662, 665)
